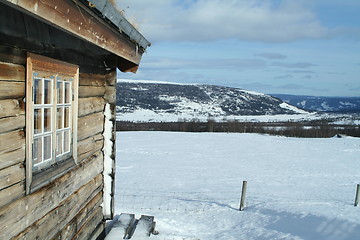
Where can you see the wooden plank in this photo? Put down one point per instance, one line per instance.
(122, 226)
(92, 228)
(90, 125)
(70, 230)
(87, 79)
(35, 206)
(91, 91)
(11, 141)
(12, 123)
(11, 175)
(144, 227)
(84, 24)
(11, 108)
(8, 159)
(91, 105)
(13, 72)
(48, 226)
(90, 145)
(10, 90)
(12, 193)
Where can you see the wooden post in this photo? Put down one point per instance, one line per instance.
(243, 193)
(357, 196)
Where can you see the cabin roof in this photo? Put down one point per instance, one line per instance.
(95, 21)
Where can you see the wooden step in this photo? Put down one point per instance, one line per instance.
(144, 227)
(122, 227)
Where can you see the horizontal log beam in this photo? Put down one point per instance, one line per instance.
(11, 108)
(86, 79)
(11, 141)
(12, 123)
(8, 159)
(90, 145)
(12, 72)
(12, 193)
(90, 125)
(33, 207)
(11, 90)
(72, 228)
(90, 105)
(91, 91)
(11, 175)
(49, 225)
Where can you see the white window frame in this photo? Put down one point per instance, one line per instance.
(47, 165)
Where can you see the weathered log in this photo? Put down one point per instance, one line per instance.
(90, 125)
(91, 105)
(8, 159)
(13, 72)
(12, 123)
(11, 108)
(11, 90)
(48, 226)
(89, 145)
(11, 141)
(91, 91)
(35, 206)
(70, 230)
(92, 228)
(12, 193)
(110, 78)
(110, 94)
(11, 175)
(86, 79)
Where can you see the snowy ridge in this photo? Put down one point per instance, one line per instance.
(139, 100)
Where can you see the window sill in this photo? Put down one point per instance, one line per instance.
(44, 177)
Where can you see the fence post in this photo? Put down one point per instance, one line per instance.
(243, 193)
(357, 196)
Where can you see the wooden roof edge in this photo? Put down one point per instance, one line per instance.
(75, 18)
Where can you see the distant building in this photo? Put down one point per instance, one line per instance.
(58, 63)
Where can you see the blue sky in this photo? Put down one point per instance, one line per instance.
(302, 47)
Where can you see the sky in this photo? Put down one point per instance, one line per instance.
(300, 47)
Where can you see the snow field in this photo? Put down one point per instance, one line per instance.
(191, 183)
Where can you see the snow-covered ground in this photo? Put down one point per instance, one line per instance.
(191, 183)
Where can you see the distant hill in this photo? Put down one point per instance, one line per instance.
(324, 104)
(144, 99)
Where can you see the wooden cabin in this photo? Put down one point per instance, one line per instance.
(58, 66)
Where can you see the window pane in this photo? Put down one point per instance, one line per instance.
(67, 117)
(67, 141)
(47, 91)
(59, 116)
(37, 97)
(37, 121)
(47, 148)
(67, 92)
(60, 92)
(47, 119)
(37, 151)
(59, 144)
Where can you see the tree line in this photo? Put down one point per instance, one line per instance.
(306, 129)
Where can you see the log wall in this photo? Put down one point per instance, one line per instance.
(70, 207)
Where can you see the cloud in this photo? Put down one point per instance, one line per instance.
(293, 65)
(212, 63)
(287, 76)
(271, 55)
(209, 20)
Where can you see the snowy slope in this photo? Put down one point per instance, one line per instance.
(161, 101)
(191, 183)
(327, 104)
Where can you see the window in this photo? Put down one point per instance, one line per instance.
(51, 119)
